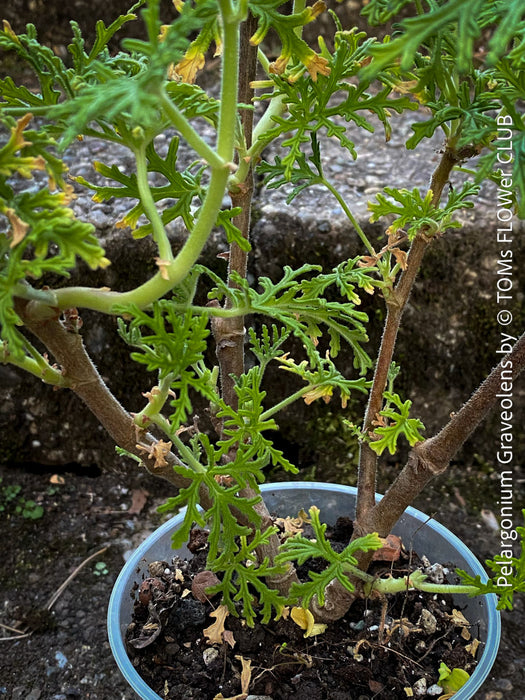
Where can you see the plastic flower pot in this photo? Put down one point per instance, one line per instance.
(426, 537)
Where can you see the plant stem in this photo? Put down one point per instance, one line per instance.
(229, 332)
(286, 402)
(355, 223)
(159, 232)
(185, 129)
(396, 301)
(85, 381)
(399, 585)
(106, 301)
(35, 365)
(433, 456)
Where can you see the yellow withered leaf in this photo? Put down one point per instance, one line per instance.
(320, 392)
(306, 621)
(19, 228)
(187, 68)
(246, 673)
(458, 619)
(163, 266)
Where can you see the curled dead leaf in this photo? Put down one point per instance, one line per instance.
(292, 526)
(401, 257)
(19, 228)
(157, 451)
(391, 549)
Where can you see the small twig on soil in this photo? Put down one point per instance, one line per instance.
(434, 642)
(21, 634)
(56, 595)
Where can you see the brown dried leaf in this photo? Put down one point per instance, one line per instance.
(227, 635)
(391, 549)
(375, 686)
(368, 260)
(401, 257)
(215, 632)
(202, 581)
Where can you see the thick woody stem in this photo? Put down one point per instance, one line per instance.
(396, 303)
(426, 460)
(432, 457)
(337, 598)
(67, 347)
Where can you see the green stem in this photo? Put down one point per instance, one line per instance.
(23, 290)
(399, 585)
(259, 142)
(230, 76)
(362, 235)
(182, 450)
(298, 6)
(389, 586)
(287, 401)
(264, 61)
(159, 232)
(36, 365)
(106, 301)
(186, 130)
(157, 398)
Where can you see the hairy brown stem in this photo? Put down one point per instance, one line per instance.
(396, 303)
(67, 347)
(426, 460)
(229, 332)
(432, 457)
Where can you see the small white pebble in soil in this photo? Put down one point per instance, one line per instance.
(435, 690)
(420, 688)
(209, 655)
(427, 621)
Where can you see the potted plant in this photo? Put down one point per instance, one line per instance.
(432, 64)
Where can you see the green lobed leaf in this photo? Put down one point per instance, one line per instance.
(300, 549)
(398, 423)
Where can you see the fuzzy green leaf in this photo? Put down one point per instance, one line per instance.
(298, 548)
(397, 424)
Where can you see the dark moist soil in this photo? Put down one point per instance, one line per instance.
(66, 656)
(384, 649)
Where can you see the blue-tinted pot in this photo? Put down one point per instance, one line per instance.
(426, 537)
